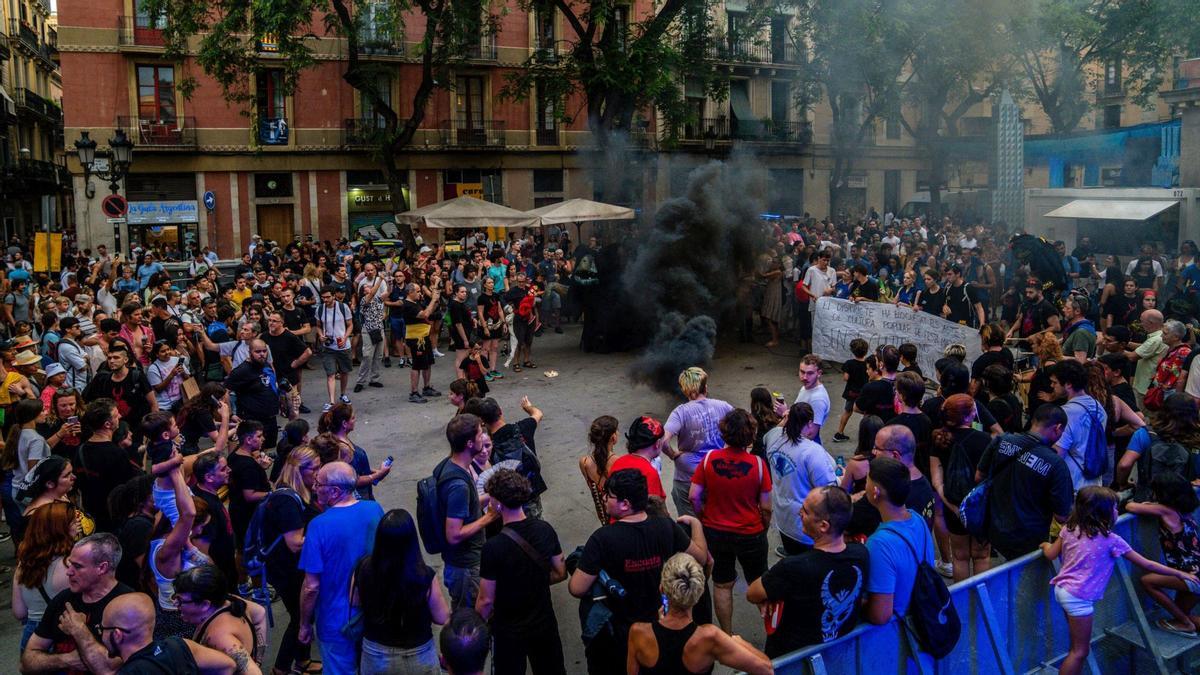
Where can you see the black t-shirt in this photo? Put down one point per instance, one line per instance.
(922, 428)
(460, 315)
(134, 535)
(1008, 411)
(522, 604)
(1124, 310)
(411, 312)
(168, 655)
(1002, 357)
(285, 348)
(933, 408)
(961, 301)
(633, 554)
(199, 424)
(48, 627)
(219, 532)
(1124, 391)
(820, 592)
(166, 329)
(865, 519)
(932, 303)
(878, 398)
(285, 514)
(256, 400)
(526, 428)
(67, 446)
(972, 443)
(857, 378)
(867, 290)
(99, 469)
(1030, 484)
(1035, 317)
(295, 318)
(244, 474)
(129, 394)
(396, 295)
(455, 495)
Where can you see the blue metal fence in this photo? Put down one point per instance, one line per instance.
(1011, 624)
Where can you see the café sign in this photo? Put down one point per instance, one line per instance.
(369, 200)
(158, 213)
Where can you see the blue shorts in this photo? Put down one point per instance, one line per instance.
(397, 327)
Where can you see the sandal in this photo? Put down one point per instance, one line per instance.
(530, 364)
(517, 368)
(308, 667)
(1165, 624)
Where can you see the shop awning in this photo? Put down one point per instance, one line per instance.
(581, 210)
(467, 212)
(10, 107)
(1112, 209)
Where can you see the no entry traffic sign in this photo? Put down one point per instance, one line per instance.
(114, 206)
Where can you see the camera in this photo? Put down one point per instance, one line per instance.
(284, 385)
(328, 342)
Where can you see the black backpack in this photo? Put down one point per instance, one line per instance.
(931, 616)
(1161, 457)
(431, 518)
(256, 549)
(513, 447)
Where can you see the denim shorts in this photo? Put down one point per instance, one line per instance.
(1072, 605)
(380, 659)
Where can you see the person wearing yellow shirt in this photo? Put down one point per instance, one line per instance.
(241, 291)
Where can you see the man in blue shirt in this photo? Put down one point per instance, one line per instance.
(333, 545)
(147, 270)
(894, 546)
(1070, 264)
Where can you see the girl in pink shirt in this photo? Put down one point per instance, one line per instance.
(1089, 550)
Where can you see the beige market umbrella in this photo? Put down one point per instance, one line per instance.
(467, 212)
(580, 210)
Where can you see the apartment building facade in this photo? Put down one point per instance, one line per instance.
(34, 184)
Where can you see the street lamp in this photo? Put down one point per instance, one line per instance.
(121, 159)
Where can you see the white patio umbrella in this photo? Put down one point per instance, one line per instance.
(467, 212)
(580, 210)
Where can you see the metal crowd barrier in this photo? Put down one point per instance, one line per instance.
(1012, 624)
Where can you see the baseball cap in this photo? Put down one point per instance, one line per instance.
(643, 432)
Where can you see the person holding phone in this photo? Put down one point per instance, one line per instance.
(166, 375)
(61, 427)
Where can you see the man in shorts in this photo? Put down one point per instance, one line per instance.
(416, 338)
(334, 322)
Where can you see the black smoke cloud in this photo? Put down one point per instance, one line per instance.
(686, 270)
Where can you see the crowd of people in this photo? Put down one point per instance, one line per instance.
(162, 489)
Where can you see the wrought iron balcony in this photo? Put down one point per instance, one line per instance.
(140, 31)
(484, 51)
(372, 41)
(724, 129)
(152, 133)
(273, 131)
(29, 103)
(473, 133)
(5, 50)
(364, 131)
(25, 35)
(547, 136)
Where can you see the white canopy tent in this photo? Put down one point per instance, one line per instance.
(467, 212)
(580, 210)
(1112, 209)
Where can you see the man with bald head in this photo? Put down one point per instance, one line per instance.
(127, 641)
(895, 441)
(57, 644)
(257, 389)
(333, 545)
(1148, 354)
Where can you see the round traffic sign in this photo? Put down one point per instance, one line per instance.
(114, 206)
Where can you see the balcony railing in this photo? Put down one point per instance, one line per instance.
(722, 49)
(372, 41)
(177, 133)
(25, 34)
(141, 31)
(364, 131)
(484, 51)
(547, 136)
(5, 50)
(273, 131)
(786, 52)
(765, 131)
(30, 103)
(473, 133)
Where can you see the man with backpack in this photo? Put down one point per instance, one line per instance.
(448, 511)
(72, 355)
(1083, 443)
(515, 442)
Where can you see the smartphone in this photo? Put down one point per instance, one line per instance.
(387, 463)
(73, 419)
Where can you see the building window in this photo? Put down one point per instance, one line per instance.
(547, 180)
(468, 103)
(156, 94)
(621, 25)
(1112, 117)
(147, 20)
(383, 85)
(272, 108)
(547, 121)
(893, 126)
(544, 29)
(1112, 76)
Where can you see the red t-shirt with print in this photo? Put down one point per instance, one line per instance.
(732, 482)
(653, 480)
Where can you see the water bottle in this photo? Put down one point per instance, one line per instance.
(841, 468)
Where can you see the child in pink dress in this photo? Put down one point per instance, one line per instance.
(1089, 550)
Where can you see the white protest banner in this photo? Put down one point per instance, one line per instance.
(837, 322)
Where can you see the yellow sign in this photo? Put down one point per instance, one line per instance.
(47, 251)
(475, 190)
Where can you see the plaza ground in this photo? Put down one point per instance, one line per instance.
(587, 386)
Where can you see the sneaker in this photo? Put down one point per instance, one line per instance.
(344, 399)
(497, 375)
(376, 384)
(430, 391)
(840, 438)
(387, 362)
(437, 354)
(304, 409)
(5, 536)
(327, 407)
(416, 398)
(945, 569)
(357, 389)
(489, 377)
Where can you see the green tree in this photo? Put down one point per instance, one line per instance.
(223, 37)
(1062, 44)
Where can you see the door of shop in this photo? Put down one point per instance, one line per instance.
(275, 223)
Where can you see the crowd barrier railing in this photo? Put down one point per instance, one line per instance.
(1012, 624)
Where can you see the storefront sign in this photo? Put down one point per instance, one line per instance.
(470, 190)
(358, 199)
(155, 213)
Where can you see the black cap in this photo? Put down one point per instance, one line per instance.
(643, 432)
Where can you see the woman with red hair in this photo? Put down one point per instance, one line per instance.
(50, 532)
(957, 449)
